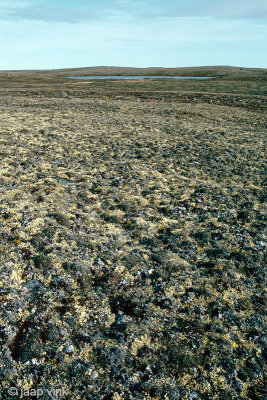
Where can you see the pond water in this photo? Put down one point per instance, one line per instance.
(138, 77)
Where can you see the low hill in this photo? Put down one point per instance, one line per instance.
(182, 71)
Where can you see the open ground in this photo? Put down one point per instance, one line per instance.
(132, 234)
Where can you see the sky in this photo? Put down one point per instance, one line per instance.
(46, 34)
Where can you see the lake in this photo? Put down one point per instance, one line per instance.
(138, 77)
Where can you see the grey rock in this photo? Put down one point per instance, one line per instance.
(69, 349)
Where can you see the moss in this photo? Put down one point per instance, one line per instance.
(42, 261)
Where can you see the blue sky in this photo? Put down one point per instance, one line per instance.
(41, 34)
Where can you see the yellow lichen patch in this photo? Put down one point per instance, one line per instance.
(185, 379)
(82, 314)
(117, 396)
(86, 351)
(35, 226)
(120, 269)
(24, 384)
(17, 274)
(170, 291)
(140, 342)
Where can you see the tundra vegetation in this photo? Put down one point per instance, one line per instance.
(132, 235)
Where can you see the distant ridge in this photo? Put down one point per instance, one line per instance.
(116, 70)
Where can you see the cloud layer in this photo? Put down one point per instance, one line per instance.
(69, 12)
(61, 34)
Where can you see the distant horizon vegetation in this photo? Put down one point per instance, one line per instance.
(204, 71)
(127, 66)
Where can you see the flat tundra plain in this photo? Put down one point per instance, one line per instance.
(132, 241)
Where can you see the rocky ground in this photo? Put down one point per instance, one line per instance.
(132, 247)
